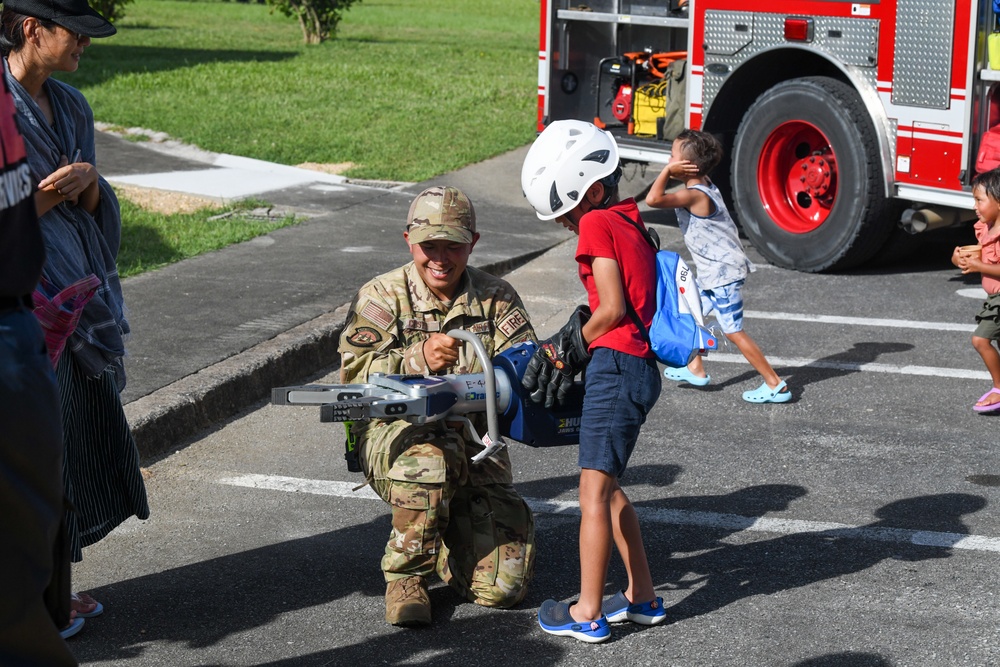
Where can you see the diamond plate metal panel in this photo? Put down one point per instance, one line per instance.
(727, 32)
(921, 74)
(852, 41)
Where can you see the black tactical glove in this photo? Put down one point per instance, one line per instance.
(550, 371)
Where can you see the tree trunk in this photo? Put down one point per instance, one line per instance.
(304, 24)
(316, 24)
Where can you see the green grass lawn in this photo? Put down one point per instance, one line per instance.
(408, 90)
(151, 240)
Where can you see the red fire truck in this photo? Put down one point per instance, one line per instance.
(844, 123)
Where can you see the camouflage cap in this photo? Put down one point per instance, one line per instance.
(441, 213)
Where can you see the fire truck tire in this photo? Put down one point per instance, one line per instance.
(807, 182)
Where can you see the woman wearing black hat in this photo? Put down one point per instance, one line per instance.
(81, 225)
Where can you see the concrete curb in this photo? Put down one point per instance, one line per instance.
(169, 418)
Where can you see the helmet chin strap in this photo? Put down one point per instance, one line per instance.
(610, 183)
(610, 194)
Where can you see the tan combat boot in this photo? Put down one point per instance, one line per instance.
(407, 603)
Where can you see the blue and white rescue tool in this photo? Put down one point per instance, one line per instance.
(497, 391)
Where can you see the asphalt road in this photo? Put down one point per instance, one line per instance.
(854, 526)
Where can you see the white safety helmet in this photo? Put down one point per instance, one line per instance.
(566, 159)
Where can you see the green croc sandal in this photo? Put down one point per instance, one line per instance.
(764, 394)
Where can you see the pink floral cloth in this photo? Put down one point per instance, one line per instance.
(60, 313)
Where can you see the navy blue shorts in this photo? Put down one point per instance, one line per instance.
(621, 390)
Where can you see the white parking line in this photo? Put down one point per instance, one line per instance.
(793, 362)
(732, 522)
(859, 321)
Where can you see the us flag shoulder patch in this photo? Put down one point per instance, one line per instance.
(378, 315)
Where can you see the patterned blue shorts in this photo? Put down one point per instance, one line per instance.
(725, 304)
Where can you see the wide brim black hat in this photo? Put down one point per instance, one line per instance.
(74, 15)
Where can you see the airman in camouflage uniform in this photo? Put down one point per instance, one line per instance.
(462, 520)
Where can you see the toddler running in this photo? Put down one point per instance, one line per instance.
(721, 264)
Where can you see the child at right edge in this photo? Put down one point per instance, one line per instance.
(986, 203)
(714, 243)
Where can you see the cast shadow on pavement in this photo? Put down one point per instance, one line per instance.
(836, 365)
(731, 572)
(847, 659)
(499, 637)
(210, 604)
(202, 603)
(655, 475)
(843, 363)
(699, 571)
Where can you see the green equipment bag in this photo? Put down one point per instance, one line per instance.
(676, 99)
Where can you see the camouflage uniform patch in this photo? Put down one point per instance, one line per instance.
(421, 325)
(424, 471)
(481, 328)
(512, 323)
(365, 337)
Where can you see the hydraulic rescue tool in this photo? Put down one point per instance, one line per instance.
(497, 391)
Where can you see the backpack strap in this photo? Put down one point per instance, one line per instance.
(629, 310)
(642, 230)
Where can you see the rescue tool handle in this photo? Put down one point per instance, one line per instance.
(493, 441)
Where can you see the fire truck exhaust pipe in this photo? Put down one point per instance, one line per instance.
(917, 220)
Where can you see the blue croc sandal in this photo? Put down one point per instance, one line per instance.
(554, 618)
(617, 608)
(684, 375)
(764, 394)
(74, 627)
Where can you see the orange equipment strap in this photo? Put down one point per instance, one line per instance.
(655, 63)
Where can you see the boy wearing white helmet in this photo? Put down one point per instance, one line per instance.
(571, 175)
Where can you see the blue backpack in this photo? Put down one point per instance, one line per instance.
(677, 333)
